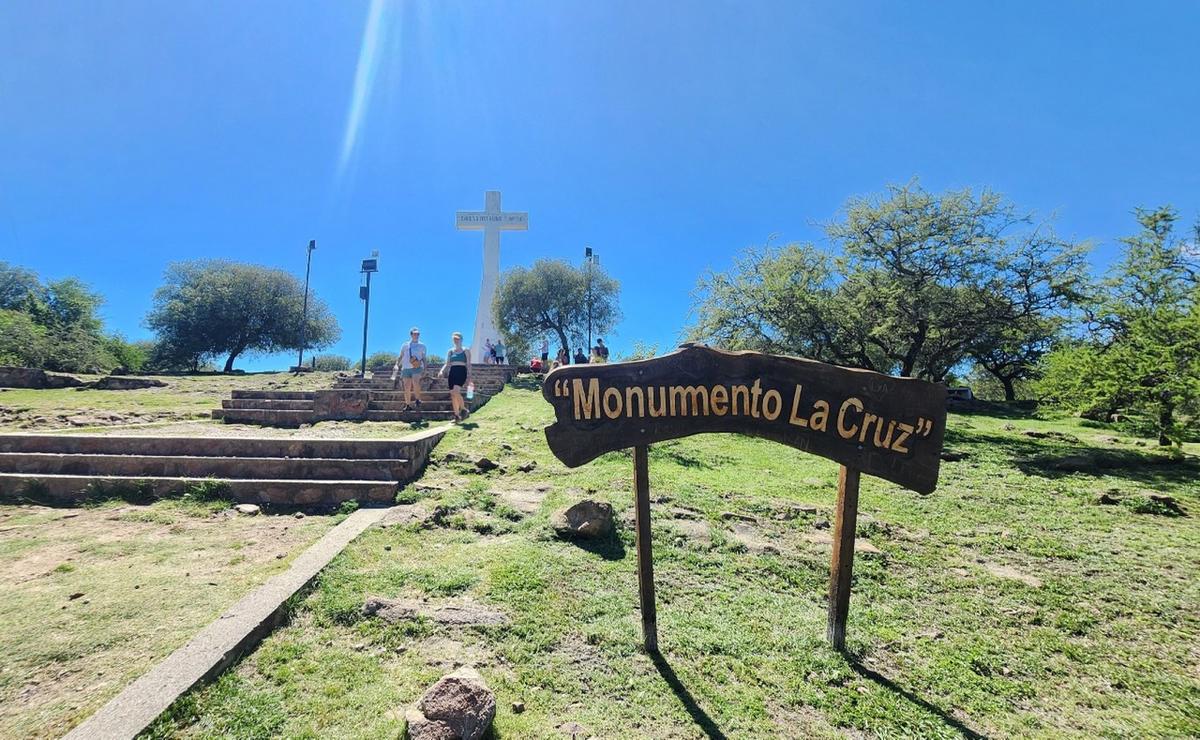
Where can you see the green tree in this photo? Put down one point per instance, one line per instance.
(19, 287)
(1143, 352)
(208, 308)
(553, 297)
(916, 283)
(1042, 281)
(331, 363)
(23, 341)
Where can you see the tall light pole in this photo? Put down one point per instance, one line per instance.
(364, 292)
(312, 245)
(590, 259)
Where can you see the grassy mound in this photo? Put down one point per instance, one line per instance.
(1023, 597)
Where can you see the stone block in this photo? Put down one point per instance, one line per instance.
(341, 404)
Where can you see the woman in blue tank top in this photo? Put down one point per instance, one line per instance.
(458, 364)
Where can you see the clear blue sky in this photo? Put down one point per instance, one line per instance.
(667, 135)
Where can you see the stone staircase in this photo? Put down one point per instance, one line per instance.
(374, 398)
(68, 469)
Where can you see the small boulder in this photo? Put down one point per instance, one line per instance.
(587, 519)
(527, 467)
(953, 455)
(248, 509)
(484, 464)
(730, 515)
(459, 705)
(391, 610)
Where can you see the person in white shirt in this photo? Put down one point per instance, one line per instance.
(411, 364)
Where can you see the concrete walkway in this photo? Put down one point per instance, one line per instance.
(219, 644)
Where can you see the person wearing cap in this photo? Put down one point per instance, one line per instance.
(411, 364)
(458, 361)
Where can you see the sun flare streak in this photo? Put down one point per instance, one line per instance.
(369, 55)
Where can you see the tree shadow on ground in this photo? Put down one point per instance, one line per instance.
(892, 686)
(1014, 410)
(527, 382)
(609, 548)
(1056, 459)
(698, 715)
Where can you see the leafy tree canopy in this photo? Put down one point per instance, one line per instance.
(553, 297)
(1143, 351)
(207, 308)
(916, 283)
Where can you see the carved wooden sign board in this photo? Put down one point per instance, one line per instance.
(870, 423)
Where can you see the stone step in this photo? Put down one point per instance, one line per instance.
(277, 395)
(163, 466)
(430, 383)
(72, 489)
(389, 395)
(408, 447)
(426, 406)
(409, 416)
(266, 403)
(289, 419)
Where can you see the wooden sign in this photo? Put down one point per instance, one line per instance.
(870, 423)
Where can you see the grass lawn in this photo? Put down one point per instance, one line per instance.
(94, 597)
(1009, 602)
(183, 398)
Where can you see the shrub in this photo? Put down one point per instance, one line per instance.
(331, 363)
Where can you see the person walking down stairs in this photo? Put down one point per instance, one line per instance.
(411, 364)
(458, 362)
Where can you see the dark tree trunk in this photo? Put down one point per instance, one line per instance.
(229, 362)
(1010, 392)
(1166, 415)
(562, 338)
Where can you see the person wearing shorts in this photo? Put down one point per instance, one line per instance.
(458, 365)
(411, 364)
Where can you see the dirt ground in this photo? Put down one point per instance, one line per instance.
(92, 598)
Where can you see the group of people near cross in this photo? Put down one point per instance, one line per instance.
(410, 366)
(599, 355)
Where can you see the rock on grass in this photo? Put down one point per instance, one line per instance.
(587, 519)
(459, 705)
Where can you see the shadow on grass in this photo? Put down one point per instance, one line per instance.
(892, 686)
(1013, 410)
(1058, 458)
(609, 548)
(699, 716)
(527, 382)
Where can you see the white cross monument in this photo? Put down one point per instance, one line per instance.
(491, 221)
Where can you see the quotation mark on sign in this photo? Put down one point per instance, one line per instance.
(924, 427)
(561, 389)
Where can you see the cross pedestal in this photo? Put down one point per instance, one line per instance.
(491, 221)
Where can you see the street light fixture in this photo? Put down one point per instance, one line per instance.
(312, 246)
(364, 292)
(590, 259)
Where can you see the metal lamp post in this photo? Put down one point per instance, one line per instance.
(364, 292)
(590, 259)
(312, 245)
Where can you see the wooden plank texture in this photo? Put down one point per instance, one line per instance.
(888, 427)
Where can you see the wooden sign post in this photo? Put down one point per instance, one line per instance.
(870, 423)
